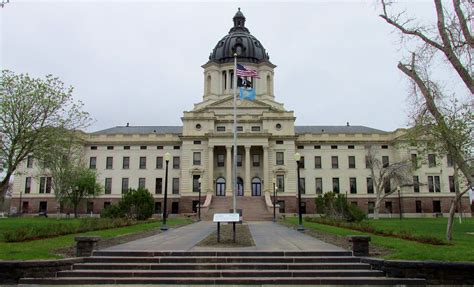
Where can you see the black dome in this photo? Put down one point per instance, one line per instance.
(240, 41)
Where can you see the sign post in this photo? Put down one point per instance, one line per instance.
(226, 217)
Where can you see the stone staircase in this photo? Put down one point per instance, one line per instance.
(222, 267)
(253, 208)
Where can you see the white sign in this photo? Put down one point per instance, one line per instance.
(226, 217)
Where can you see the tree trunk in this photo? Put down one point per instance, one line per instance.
(449, 228)
(4, 188)
(377, 209)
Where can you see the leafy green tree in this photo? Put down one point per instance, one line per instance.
(137, 204)
(449, 41)
(33, 112)
(83, 186)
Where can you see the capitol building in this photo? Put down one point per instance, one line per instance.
(333, 158)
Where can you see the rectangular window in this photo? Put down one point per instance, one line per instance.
(334, 161)
(110, 147)
(256, 160)
(196, 158)
(158, 185)
(303, 207)
(387, 187)
(302, 162)
(197, 142)
(93, 147)
(302, 186)
(127, 147)
(176, 147)
(176, 162)
(317, 162)
(159, 162)
(334, 147)
(281, 203)
(143, 147)
(388, 207)
(29, 161)
(352, 161)
(418, 206)
(317, 147)
(436, 206)
(319, 185)
(106, 204)
(350, 147)
(175, 185)
(280, 182)
(335, 184)
(196, 183)
(126, 162)
(414, 161)
(239, 160)
(353, 184)
(109, 162)
(370, 207)
(416, 184)
(92, 162)
(141, 182)
(28, 185)
(42, 184)
(220, 128)
(300, 147)
(108, 185)
(385, 161)
(279, 142)
(159, 147)
(158, 207)
(220, 159)
(240, 128)
(449, 160)
(124, 185)
(43, 206)
(431, 160)
(255, 128)
(370, 185)
(385, 147)
(367, 161)
(174, 207)
(49, 182)
(280, 158)
(142, 164)
(437, 184)
(430, 184)
(452, 186)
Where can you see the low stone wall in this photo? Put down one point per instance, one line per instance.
(435, 272)
(12, 271)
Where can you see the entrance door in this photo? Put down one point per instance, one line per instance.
(220, 186)
(240, 187)
(256, 187)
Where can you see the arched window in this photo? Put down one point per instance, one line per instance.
(208, 85)
(224, 80)
(220, 186)
(240, 187)
(269, 85)
(256, 186)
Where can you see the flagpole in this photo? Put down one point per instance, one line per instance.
(234, 165)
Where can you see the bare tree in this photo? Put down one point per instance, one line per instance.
(32, 112)
(451, 40)
(386, 177)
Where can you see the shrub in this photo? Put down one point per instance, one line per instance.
(335, 206)
(112, 211)
(355, 214)
(137, 204)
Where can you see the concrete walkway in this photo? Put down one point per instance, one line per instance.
(267, 235)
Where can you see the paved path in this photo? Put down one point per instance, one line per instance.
(267, 236)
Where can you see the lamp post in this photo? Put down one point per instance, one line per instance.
(199, 204)
(274, 200)
(300, 215)
(164, 227)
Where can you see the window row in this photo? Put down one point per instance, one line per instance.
(239, 128)
(432, 161)
(158, 185)
(142, 162)
(127, 147)
(318, 164)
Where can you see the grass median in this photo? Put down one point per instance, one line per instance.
(460, 249)
(46, 248)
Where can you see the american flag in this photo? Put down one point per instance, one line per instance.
(246, 72)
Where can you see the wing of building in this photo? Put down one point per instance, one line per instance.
(333, 157)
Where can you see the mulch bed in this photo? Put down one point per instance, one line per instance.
(341, 241)
(243, 237)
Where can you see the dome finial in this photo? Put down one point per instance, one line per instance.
(239, 19)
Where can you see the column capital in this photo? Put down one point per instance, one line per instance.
(247, 147)
(211, 147)
(228, 147)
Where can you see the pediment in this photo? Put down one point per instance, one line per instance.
(228, 103)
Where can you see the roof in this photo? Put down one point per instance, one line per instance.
(336, 130)
(141, 130)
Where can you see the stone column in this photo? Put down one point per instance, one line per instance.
(266, 180)
(228, 173)
(211, 170)
(247, 183)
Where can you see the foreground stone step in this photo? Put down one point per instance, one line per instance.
(229, 280)
(221, 266)
(219, 273)
(220, 253)
(212, 259)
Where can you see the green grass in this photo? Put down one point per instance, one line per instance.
(44, 248)
(462, 248)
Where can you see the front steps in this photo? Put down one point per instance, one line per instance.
(222, 267)
(253, 207)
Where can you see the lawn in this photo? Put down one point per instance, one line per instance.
(44, 248)
(462, 248)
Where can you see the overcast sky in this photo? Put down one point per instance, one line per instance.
(140, 62)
